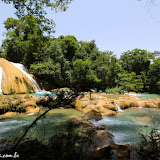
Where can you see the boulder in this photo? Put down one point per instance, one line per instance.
(78, 105)
(31, 109)
(123, 151)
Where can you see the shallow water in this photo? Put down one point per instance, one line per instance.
(126, 125)
(148, 95)
(41, 94)
(53, 122)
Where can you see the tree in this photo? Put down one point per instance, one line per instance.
(2, 55)
(36, 7)
(136, 61)
(54, 68)
(83, 77)
(25, 40)
(106, 68)
(69, 45)
(130, 82)
(154, 76)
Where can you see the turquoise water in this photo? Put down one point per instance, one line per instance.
(126, 125)
(44, 94)
(149, 95)
(53, 122)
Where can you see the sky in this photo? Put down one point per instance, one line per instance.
(115, 25)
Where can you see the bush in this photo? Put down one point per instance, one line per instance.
(115, 90)
(149, 148)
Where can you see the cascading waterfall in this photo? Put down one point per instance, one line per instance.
(119, 108)
(26, 72)
(139, 105)
(1, 92)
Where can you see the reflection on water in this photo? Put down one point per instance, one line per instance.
(125, 125)
(53, 122)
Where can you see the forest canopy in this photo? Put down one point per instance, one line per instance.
(67, 62)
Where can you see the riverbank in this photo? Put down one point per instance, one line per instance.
(108, 105)
(18, 103)
(96, 107)
(99, 104)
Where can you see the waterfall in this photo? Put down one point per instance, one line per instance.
(119, 108)
(26, 72)
(1, 92)
(139, 105)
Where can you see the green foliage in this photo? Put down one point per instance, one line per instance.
(115, 90)
(154, 76)
(17, 80)
(36, 7)
(24, 40)
(140, 62)
(130, 82)
(80, 65)
(84, 77)
(29, 87)
(150, 145)
(69, 45)
(136, 60)
(2, 54)
(54, 68)
(67, 62)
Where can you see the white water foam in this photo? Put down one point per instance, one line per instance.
(30, 114)
(7, 126)
(113, 121)
(26, 72)
(1, 92)
(117, 127)
(119, 108)
(132, 94)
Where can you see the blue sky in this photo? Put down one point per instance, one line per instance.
(115, 25)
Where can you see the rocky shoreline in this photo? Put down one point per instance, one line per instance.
(94, 107)
(101, 104)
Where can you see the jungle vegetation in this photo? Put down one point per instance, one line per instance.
(67, 62)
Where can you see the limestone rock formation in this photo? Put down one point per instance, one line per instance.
(14, 80)
(98, 105)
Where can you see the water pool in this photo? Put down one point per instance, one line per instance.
(125, 125)
(53, 122)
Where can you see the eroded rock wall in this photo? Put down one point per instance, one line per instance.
(14, 80)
